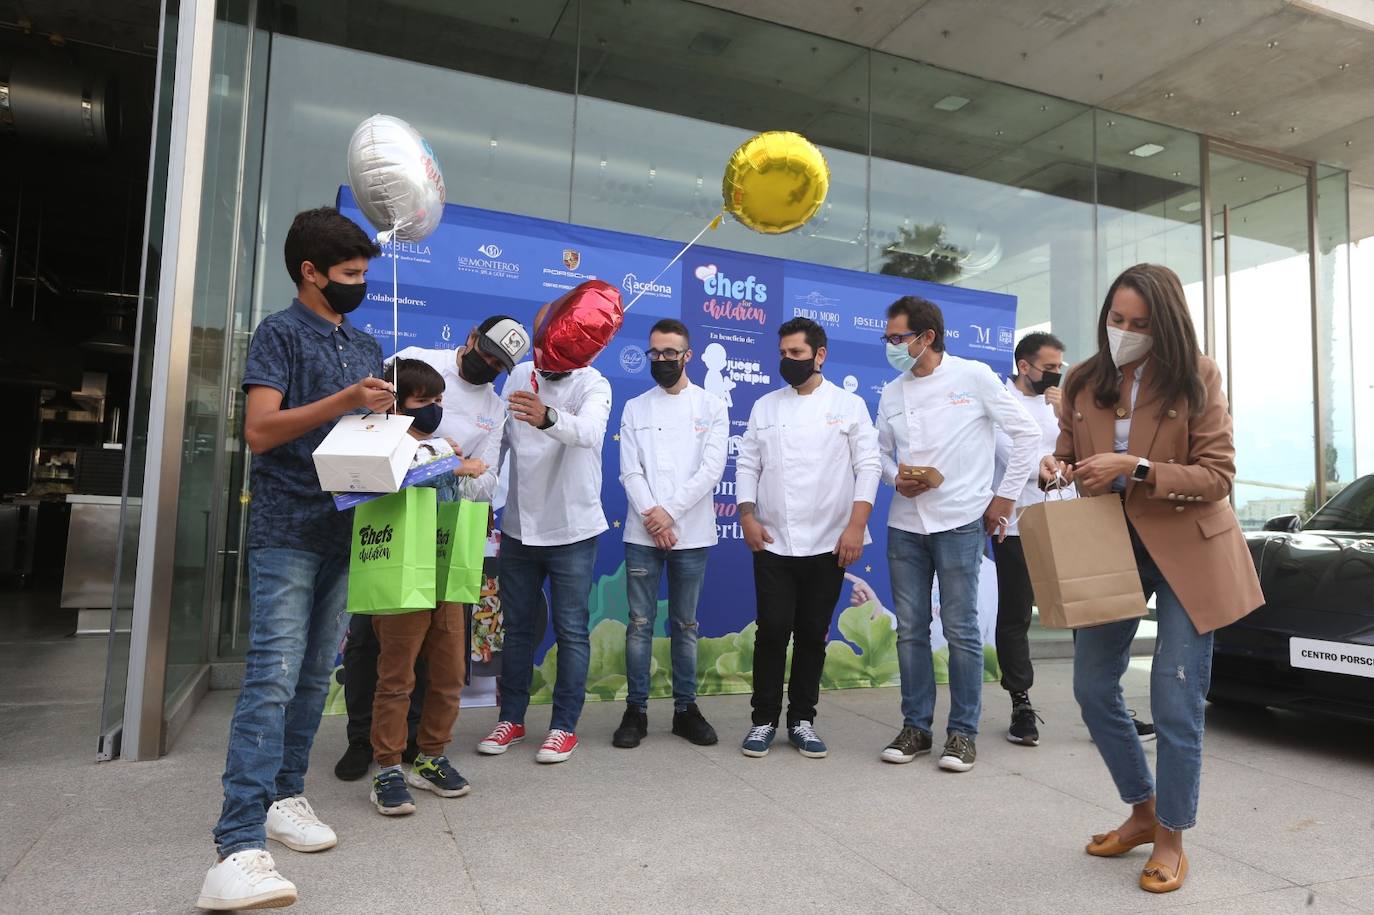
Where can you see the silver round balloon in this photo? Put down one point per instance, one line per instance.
(396, 178)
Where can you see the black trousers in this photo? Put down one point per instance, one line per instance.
(796, 600)
(1014, 599)
(360, 682)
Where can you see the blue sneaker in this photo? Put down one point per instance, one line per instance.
(803, 736)
(758, 740)
(436, 773)
(389, 794)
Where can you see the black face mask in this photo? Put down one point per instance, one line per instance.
(475, 369)
(344, 297)
(1047, 380)
(796, 371)
(427, 418)
(553, 376)
(666, 372)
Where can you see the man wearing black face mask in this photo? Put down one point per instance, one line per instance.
(672, 454)
(471, 417)
(1039, 366)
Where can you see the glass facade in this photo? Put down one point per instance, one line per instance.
(620, 115)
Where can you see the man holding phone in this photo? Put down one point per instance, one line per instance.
(1039, 361)
(936, 424)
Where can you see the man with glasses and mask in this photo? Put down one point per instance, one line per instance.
(672, 455)
(471, 417)
(935, 430)
(1039, 359)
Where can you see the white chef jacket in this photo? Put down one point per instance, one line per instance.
(553, 495)
(672, 454)
(804, 461)
(945, 420)
(474, 417)
(1031, 493)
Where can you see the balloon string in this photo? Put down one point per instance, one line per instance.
(395, 298)
(715, 221)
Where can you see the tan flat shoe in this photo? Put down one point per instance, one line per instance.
(1109, 845)
(1157, 878)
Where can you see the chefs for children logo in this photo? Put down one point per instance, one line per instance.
(960, 398)
(489, 262)
(485, 423)
(732, 299)
(374, 543)
(632, 359)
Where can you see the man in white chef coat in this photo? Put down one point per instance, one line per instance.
(672, 454)
(936, 425)
(805, 478)
(549, 528)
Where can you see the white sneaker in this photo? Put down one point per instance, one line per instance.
(293, 823)
(245, 880)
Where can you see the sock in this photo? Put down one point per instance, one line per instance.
(395, 768)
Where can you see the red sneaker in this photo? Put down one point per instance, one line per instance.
(501, 737)
(558, 746)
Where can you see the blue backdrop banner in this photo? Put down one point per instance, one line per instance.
(480, 262)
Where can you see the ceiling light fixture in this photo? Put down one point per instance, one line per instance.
(1272, 44)
(1190, 207)
(1146, 150)
(1235, 112)
(950, 103)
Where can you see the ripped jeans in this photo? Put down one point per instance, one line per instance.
(295, 623)
(1179, 680)
(643, 573)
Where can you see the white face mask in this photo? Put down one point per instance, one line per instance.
(1127, 345)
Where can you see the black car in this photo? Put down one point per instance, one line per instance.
(1311, 646)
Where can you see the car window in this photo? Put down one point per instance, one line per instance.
(1351, 509)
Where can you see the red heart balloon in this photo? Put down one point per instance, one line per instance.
(572, 330)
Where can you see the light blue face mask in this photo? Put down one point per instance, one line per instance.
(900, 358)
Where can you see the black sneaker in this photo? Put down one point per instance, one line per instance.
(354, 762)
(1023, 719)
(906, 746)
(634, 725)
(389, 793)
(689, 723)
(1143, 729)
(960, 753)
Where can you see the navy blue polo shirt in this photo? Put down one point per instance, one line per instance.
(307, 358)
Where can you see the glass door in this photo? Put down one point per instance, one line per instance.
(1262, 323)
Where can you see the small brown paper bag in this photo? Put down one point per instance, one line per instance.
(1081, 564)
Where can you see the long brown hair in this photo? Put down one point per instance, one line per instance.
(1175, 350)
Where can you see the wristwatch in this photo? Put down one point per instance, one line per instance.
(550, 417)
(1142, 470)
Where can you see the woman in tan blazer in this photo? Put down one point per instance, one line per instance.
(1146, 418)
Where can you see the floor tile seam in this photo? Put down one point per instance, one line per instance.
(852, 852)
(1153, 910)
(467, 870)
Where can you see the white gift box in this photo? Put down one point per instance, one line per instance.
(369, 453)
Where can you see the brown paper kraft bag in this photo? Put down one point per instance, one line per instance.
(1081, 564)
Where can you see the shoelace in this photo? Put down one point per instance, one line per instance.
(503, 731)
(759, 732)
(805, 731)
(299, 812)
(1021, 710)
(959, 746)
(907, 737)
(556, 739)
(259, 867)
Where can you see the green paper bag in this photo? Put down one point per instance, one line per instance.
(391, 562)
(462, 547)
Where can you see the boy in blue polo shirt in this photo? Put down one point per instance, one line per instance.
(307, 366)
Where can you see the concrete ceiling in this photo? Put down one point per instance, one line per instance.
(1291, 76)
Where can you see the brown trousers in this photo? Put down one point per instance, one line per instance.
(438, 636)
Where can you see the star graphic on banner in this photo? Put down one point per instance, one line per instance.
(615, 523)
(868, 568)
(616, 437)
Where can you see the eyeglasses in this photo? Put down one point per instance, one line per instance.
(899, 339)
(663, 355)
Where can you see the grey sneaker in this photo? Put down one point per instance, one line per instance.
(906, 746)
(960, 753)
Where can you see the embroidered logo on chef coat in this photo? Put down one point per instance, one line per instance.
(485, 423)
(700, 426)
(960, 398)
(834, 419)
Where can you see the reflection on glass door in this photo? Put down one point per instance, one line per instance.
(1263, 323)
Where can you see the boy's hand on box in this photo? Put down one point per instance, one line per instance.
(471, 467)
(374, 394)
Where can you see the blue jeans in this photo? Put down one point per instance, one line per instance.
(914, 560)
(296, 619)
(643, 571)
(569, 571)
(1179, 681)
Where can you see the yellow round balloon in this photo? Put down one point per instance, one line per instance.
(775, 182)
